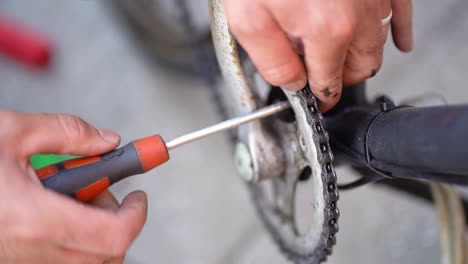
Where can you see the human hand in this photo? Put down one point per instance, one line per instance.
(40, 226)
(342, 41)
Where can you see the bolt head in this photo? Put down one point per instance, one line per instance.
(244, 162)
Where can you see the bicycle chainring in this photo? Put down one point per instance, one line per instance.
(306, 145)
(314, 245)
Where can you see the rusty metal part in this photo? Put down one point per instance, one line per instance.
(452, 223)
(239, 100)
(279, 153)
(239, 93)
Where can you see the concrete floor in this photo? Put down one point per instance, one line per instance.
(199, 210)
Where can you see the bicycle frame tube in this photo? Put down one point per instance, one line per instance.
(430, 140)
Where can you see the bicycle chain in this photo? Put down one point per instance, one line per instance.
(331, 195)
(324, 155)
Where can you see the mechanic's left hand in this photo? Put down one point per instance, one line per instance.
(342, 41)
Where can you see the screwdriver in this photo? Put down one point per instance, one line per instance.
(86, 177)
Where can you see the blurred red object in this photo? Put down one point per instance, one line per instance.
(23, 44)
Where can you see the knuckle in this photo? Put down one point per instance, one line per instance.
(339, 28)
(364, 66)
(342, 32)
(372, 49)
(242, 24)
(73, 126)
(332, 84)
(279, 75)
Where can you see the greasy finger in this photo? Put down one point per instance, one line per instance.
(365, 55)
(105, 200)
(58, 134)
(325, 59)
(402, 24)
(266, 43)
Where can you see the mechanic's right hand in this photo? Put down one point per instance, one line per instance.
(40, 226)
(342, 41)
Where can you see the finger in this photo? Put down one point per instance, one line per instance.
(325, 58)
(105, 200)
(364, 59)
(266, 43)
(73, 225)
(71, 256)
(325, 65)
(34, 252)
(365, 54)
(58, 134)
(134, 210)
(119, 260)
(402, 24)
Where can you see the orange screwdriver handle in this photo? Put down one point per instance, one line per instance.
(85, 178)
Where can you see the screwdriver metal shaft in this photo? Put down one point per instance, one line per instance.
(228, 124)
(85, 178)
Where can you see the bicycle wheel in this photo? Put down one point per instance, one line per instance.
(175, 32)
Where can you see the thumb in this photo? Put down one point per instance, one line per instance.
(57, 134)
(105, 200)
(133, 211)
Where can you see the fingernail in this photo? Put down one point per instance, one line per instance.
(140, 196)
(109, 136)
(297, 85)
